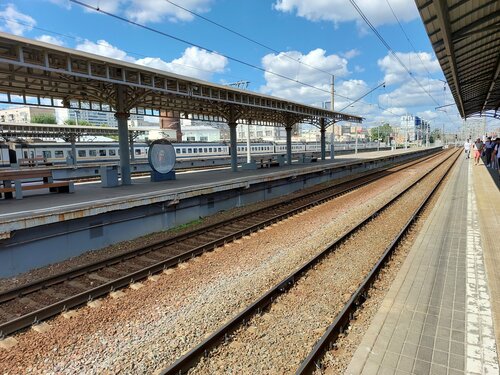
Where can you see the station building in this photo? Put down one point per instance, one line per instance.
(24, 114)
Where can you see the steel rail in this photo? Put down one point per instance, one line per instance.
(115, 259)
(325, 343)
(191, 358)
(35, 317)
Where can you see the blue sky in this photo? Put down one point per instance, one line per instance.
(328, 35)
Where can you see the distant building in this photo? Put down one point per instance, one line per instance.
(97, 118)
(262, 133)
(24, 115)
(201, 133)
(415, 128)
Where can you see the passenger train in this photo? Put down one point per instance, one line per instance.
(96, 152)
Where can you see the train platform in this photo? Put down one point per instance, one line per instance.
(92, 198)
(442, 312)
(44, 228)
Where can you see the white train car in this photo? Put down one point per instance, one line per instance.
(4, 155)
(96, 152)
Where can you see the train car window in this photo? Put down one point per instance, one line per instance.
(47, 154)
(205, 150)
(183, 150)
(210, 149)
(195, 150)
(219, 149)
(138, 151)
(177, 150)
(92, 152)
(200, 150)
(82, 153)
(190, 151)
(102, 152)
(59, 153)
(112, 152)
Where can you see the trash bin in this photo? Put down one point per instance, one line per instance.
(109, 176)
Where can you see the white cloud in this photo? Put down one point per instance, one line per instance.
(157, 10)
(411, 94)
(143, 11)
(63, 3)
(428, 115)
(15, 22)
(103, 48)
(285, 64)
(194, 62)
(418, 64)
(339, 11)
(351, 53)
(395, 111)
(50, 39)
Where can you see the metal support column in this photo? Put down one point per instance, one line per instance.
(323, 138)
(72, 139)
(233, 146)
(131, 143)
(122, 116)
(289, 144)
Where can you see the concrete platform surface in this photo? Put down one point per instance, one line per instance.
(437, 316)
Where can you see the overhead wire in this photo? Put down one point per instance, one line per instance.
(408, 38)
(156, 31)
(179, 39)
(250, 39)
(391, 51)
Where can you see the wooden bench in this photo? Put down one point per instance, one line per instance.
(31, 180)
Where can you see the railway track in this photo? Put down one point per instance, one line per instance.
(31, 303)
(215, 341)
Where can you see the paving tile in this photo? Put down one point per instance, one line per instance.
(421, 367)
(427, 327)
(406, 364)
(438, 369)
(427, 341)
(457, 362)
(424, 354)
(390, 360)
(439, 357)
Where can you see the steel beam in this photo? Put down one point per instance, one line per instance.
(122, 116)
(233, 138)
(323, 139)
(289, 144)
(444, 24)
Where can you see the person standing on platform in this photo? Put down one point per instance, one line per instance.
(478, 149)
(488, 149)
(495, 155)
(467, 149)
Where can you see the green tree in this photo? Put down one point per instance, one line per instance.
(383, 132)
(43, 118)
(435, 134)
(73, 122)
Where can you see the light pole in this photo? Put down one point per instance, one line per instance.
(406, 131)
(378, 138)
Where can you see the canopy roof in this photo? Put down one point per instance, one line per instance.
(33, 72)
(465, 35)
